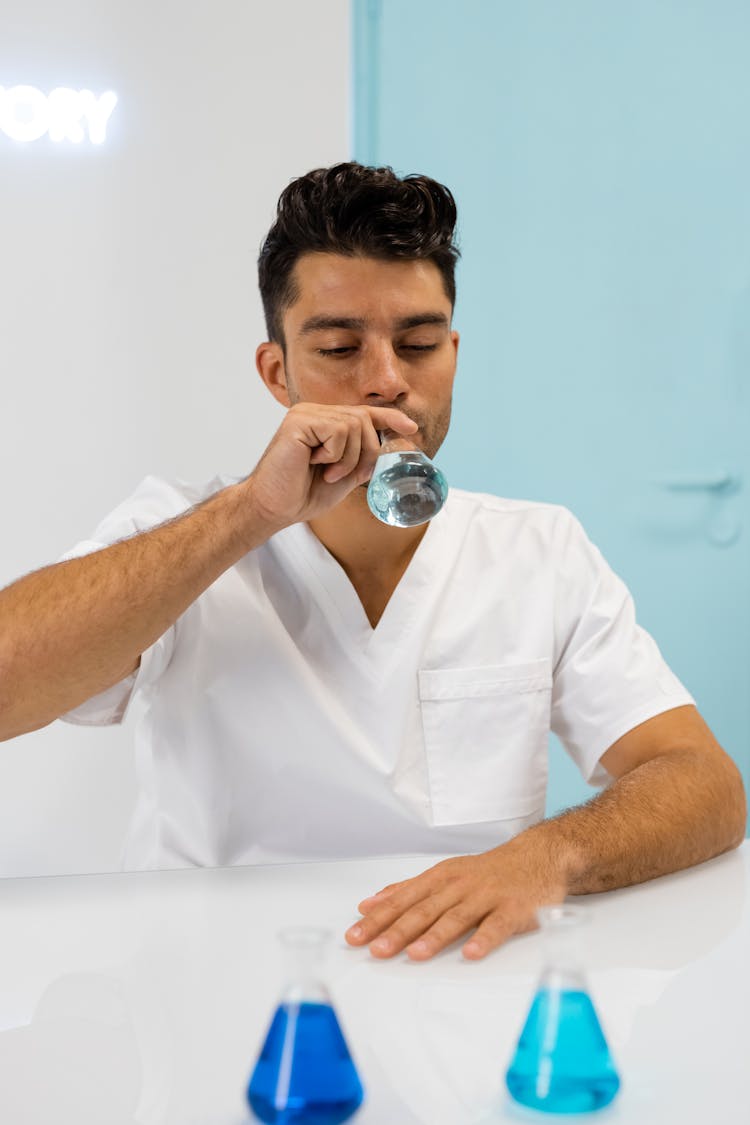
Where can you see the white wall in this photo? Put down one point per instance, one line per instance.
(129, 312)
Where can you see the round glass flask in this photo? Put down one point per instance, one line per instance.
(304, 1074)
(405, 489)
(562, 1063)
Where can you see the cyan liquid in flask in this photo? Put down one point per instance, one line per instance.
(304, 1074)
(405, 489)
(562, 1062)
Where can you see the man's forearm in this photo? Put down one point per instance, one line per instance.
(73, 629)
(673, 811)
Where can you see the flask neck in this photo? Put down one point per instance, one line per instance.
(563, 955)
(559, 978)
(391, 442)
(304, 951)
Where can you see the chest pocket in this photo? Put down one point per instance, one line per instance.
(486, 735)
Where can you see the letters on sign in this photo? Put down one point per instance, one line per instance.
(26, 114)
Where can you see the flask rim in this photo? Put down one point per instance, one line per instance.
(304, 937)
(562, 916)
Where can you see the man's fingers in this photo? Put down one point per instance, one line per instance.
(370, 445)
(426, 914)
(391, 418)
(452, 924)
(327, 429)
(318, 455)
(491, 893)
(395, 898)
(394, 921)
(349, 458)
(431, 925)
(367, 903)
(381, 911)
(347, 442)
(409, 926)
(495, 929)
(328, 438)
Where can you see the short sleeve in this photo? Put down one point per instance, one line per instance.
(153, 502)
(609, 675)
(111, 706)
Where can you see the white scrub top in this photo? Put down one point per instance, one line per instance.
(278, 725)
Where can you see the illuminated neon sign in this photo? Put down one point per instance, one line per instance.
(26, 114)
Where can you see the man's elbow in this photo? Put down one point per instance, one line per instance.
(732, 803)
(15, 718)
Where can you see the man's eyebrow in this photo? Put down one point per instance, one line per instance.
(357, 324)
(422, 318)
(315, 323)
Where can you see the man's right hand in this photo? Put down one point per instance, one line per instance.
(318, 456)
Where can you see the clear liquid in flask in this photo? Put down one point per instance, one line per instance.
(406, 489)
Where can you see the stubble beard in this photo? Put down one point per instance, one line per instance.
(433, 431)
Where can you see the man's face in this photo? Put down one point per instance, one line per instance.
(373, 333)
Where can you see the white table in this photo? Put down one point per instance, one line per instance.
(143, 999)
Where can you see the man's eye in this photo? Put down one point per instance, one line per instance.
(335, 351)
(419, 347)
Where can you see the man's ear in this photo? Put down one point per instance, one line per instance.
(269, 359)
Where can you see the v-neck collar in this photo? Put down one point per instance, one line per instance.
(332, 588)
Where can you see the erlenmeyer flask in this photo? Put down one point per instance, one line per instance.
(405, 489)
(304, 1074)
(562, 1062)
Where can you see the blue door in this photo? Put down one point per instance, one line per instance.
(600, 157)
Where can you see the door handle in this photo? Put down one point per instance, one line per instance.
(716, 482)
(724, 522)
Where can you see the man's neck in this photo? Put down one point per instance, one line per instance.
(373, 554)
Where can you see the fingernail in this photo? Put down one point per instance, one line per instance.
(355, 932)
(472, 948)
(418, 947)
(381, 945)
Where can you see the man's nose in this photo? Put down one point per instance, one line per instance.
(382, 377)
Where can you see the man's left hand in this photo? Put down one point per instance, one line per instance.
(497, 892)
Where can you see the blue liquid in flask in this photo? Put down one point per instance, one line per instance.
(562, 1063)
(406, 489)
(305, 1074)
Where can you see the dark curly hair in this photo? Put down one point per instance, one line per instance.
(354, 210)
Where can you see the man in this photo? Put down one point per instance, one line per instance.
(317, 683)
